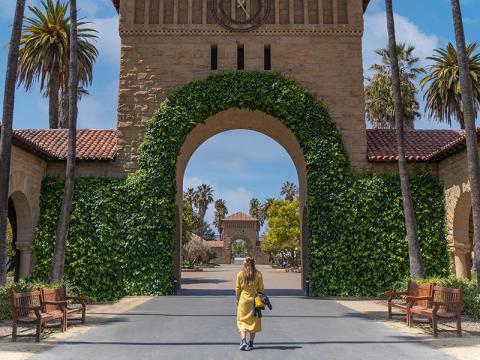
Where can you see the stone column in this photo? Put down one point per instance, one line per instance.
(462, 254)
(25, 259)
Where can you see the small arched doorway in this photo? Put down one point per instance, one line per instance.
(463, 236)
(21, 234)
(13, 253)
(239, 251)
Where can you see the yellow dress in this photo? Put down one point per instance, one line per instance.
(245, 319)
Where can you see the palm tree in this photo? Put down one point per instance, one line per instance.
(6, 132)
(265, 206)
(44, 53)
(443, 95)
(416, 263)
(189, 196)
(379, 105)
(289, 190)
(466, 89)
(203, 198)
(58, 261)
(220, 212)
(256, 211)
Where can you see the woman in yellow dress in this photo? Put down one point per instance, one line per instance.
(249, 282)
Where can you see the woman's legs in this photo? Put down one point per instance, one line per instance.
(252, 337)
(243, 344)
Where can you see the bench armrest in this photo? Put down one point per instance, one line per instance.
(78, 298)
(60, 303)
(392, 294)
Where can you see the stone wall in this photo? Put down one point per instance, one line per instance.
(26, 175)
(453, 173)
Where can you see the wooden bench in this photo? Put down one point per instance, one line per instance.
(445, 303)
(27, 308)
(50, 297)
(401, 299)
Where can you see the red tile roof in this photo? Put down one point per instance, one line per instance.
(92, 145)
(214, 243)
(101, 145)
(420, 145)
(239, 216)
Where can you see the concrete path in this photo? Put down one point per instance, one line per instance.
(193, 326)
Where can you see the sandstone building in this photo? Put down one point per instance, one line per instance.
(169, 43)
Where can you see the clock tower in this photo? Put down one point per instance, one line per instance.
(169, 43)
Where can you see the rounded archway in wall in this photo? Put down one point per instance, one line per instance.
(21, 222)
(463, 236)
(242, 119)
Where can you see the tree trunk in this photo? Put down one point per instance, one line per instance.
(58, 261)
(6, 132)
(63, 111)
(416, 263)
(53, 99)
(470, 130)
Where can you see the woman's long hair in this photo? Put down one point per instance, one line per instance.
(249, 270)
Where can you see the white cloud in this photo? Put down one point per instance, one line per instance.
(108, 42)
(407, 31)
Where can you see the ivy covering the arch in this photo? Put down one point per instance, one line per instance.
(123, 230)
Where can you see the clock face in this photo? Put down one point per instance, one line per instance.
(240, 15)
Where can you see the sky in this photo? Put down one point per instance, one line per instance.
(238, 164)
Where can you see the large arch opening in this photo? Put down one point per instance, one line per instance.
(257, 121)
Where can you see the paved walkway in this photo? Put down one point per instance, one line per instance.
(203, 327)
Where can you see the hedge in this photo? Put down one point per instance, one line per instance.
(123, 230)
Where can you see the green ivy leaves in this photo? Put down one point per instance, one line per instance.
(122, 236)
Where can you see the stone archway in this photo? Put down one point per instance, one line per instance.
(20, 209)
(233, 119)
(462, 235)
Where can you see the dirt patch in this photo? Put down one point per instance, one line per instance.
(26, 346)
(465, 348)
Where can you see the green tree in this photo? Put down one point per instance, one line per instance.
(239, 248)
(189, 221)
(289, 190)
(58, 261)
(379, 104)
(443, 95)
(6, 131)
(415, 256)
(265, 206)
(203, 198)
(466, 88)
(196, 252)
(283, 232)
(220, 212)
(44, 54)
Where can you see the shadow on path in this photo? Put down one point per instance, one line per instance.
(229, 292)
